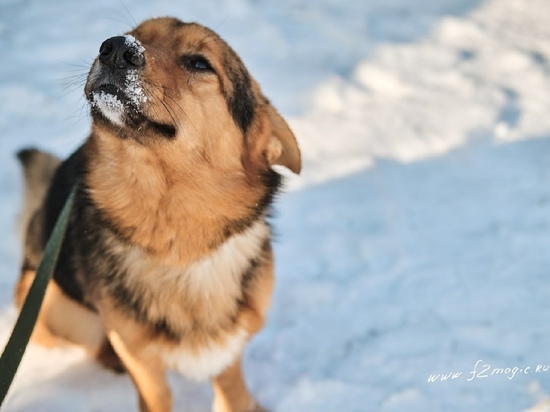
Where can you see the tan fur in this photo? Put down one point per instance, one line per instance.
(230, 391)
(172, 202)
(42, 333)
(132, 343)
(282, 148)
(61, 320)
(176, 200)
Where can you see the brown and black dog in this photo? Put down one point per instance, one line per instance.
(167, 258)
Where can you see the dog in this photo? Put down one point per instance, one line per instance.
(167, 262)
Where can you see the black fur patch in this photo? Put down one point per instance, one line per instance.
(26, 156)
(241, 102)
(34, 242)
(166, 130)
(253, 266)
(272, 182)
(66, 176)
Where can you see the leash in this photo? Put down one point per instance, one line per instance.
(15, 348)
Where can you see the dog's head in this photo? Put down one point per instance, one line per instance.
(181, 86)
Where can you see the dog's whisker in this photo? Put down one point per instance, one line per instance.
(185, 114)
(175, 120)
(168, 108)
(74, 78)
(73, 86)
(122, 17)
(131, 19)
(210, 37)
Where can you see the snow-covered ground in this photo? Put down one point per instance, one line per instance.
(413, 254)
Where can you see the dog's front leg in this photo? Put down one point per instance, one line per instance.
(230, 392)
(148, 374)
(132, 344)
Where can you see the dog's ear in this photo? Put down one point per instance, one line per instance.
(282, 147)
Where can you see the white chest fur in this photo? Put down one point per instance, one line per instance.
(209, 360)
(219, 271)
(213, 281)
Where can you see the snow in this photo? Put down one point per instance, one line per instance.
(133, 89)
(134, 43)
(415, 242)
(109, 105)
(132, 86)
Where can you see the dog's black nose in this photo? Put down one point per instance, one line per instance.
(119, 53)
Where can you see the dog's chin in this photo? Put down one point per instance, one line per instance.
(113, 109)
(109, 105)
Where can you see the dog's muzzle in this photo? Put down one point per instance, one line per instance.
(114, 86)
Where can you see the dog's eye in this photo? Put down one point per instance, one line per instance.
(197, 63)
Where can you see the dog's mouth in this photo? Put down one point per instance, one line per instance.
(115, 91)
(111, 100)
(120, 104)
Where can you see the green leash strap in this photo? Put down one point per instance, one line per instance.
(15, 348)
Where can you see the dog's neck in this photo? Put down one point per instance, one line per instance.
(175, 210)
